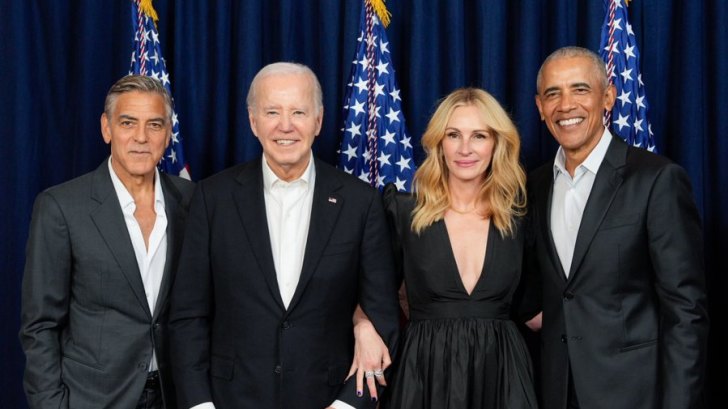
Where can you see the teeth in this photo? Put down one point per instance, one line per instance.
(572, 121)
(285, 141)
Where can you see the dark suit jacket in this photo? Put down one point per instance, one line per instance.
(631, 320)
(233, 342)
(87, 331)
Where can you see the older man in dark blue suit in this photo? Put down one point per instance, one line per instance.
(278, 254)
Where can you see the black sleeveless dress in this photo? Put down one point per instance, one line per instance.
(458, 351)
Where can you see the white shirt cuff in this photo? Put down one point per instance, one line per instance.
(341, 405)
(206, 405)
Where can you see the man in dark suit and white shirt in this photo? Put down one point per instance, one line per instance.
(278, 253)
(617, 242)
(100, 258)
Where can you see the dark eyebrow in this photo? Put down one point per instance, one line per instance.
(580, 85)
(161, 120)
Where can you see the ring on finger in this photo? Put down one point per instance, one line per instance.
(369, 374)
(378, 373)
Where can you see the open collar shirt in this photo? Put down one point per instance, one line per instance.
(151, 261)
(288, 211)
(569, 198)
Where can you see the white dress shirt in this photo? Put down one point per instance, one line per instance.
(288, 210)
(570, 196)
(151, 261)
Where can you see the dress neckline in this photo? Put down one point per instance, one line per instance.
(451, 255)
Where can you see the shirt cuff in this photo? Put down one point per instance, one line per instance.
(337, 405)
(206, 405)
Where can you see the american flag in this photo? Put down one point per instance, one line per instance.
(618, 49)
(375, 145)
(146, 59)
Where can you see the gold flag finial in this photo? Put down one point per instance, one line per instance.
(147, 8)
(381, 10)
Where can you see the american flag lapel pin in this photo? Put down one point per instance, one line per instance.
(332, 199)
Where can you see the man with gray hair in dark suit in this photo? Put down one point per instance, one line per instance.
(99, 264)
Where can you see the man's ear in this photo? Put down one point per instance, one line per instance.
(319, 120)
(537, 98)
(251, 119)
(105, 128)
(610, 96)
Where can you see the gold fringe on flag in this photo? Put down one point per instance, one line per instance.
(381, 10)
(147, 8)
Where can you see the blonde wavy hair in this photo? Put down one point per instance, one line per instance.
(504, 186)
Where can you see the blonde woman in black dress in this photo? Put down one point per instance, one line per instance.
(459, 244)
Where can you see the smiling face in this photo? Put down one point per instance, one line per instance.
(468, 145)
(138, 132)
(571, 100)
(286, 120)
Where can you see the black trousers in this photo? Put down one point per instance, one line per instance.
(152, 394)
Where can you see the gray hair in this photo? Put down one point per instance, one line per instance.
(138, 83)
(286, 68)
(572, 52)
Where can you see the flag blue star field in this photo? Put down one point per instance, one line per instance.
(375, 145)
(618, 49)
(146, 59)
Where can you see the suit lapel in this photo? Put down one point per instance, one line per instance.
(325, 209)
(175, 221)
(109, 220)
(250, 202)
(606, 184)
(545, 188)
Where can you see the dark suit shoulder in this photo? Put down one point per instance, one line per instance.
(185, 186)
(642, 166)
(324, 170)
(398, 204)
(642, 158)
(543, 171)
(221, 183)
(540, 177)
(77, 190)
(178, 188)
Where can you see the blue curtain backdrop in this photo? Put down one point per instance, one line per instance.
(58, 59)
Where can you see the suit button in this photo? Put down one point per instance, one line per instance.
(156, 326)
(142, 365)
(277, 369)
(286, 325)
(568, 296)
(563, 338)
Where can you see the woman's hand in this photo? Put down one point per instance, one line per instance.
(371, 356)
(534, 324)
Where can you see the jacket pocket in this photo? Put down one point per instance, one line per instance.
(80, 362)
(619, 221)
(638, 346)
(221, 367)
